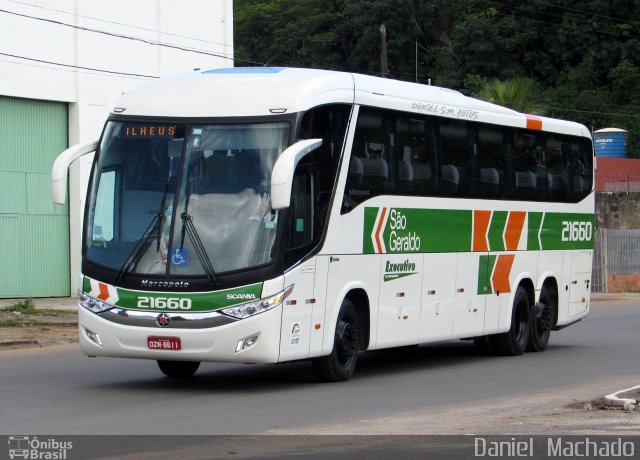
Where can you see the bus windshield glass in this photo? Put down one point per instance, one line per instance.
(181, 199)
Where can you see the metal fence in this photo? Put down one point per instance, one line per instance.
(616, 252)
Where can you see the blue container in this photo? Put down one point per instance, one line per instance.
(611, 142)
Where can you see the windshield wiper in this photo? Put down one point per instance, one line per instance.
(189, 229)
(135, 254)
(161, 215)
(154, 226)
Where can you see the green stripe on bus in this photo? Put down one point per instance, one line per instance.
(411, 230)
(496, 230)
(369, 222)
(485, 270)
(567, 231)
(86, 284)
(418, 230)
(535, 220)
(200, 301)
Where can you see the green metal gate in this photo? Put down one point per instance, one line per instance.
(34, 234)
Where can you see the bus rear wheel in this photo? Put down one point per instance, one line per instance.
(514, 342)
(542, 320)
(340, 364)
(178, 369)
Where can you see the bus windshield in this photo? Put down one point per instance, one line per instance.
(182, 199)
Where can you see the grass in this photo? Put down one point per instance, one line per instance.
(25, 313)
(38, 320)
(28, 306)
(23, 306)
(18, 322)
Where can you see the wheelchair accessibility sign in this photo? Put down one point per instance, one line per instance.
(179, 257)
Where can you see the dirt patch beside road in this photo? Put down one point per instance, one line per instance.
(37, 328)
(36, 336)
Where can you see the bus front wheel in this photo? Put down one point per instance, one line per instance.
(514, 342)
(178, 369)
(340, 364)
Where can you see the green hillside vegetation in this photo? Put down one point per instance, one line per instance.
(581, 60)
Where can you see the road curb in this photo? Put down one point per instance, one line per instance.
(7, 343)
(613, 399)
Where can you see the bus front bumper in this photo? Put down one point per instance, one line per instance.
(259, 335)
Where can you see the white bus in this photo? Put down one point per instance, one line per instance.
(263, 215)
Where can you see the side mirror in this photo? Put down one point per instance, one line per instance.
(61, 165)
(282, 175)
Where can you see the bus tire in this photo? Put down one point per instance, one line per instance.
(542, 320)
(339, 365)
(178, 369)
(514, 342)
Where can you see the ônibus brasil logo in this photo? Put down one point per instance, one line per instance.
(33, 448)
(400, 239)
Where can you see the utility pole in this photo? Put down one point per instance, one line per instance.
(384, 69)
(416, 61)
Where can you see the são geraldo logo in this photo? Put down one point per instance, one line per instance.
(400, 236)
(30, 447)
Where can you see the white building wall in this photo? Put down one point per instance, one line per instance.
(110, 35)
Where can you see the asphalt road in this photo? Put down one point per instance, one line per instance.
(440, 388)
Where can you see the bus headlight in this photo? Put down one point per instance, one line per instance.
(93, 304)
(258, 306)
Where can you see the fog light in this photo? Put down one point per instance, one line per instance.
(95, 338)
(245, 343)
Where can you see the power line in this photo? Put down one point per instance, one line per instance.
(119, 23)
(566, 26)
(79, 67)
(588, 13)
(70, 70)
(594, 30)
(596, 112)
(127, 37)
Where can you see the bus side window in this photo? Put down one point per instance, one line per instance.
(104, 222)
(416, 155)
(458, 170)
(581, 161)
(491, 161)
(301, 212)
(558, 179)
(525, 164)
(371, 169)
(586, 156)
(330, 124)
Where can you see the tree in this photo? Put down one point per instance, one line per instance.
(521, 94)
(587, 54)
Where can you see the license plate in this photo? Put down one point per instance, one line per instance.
(164, 343)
